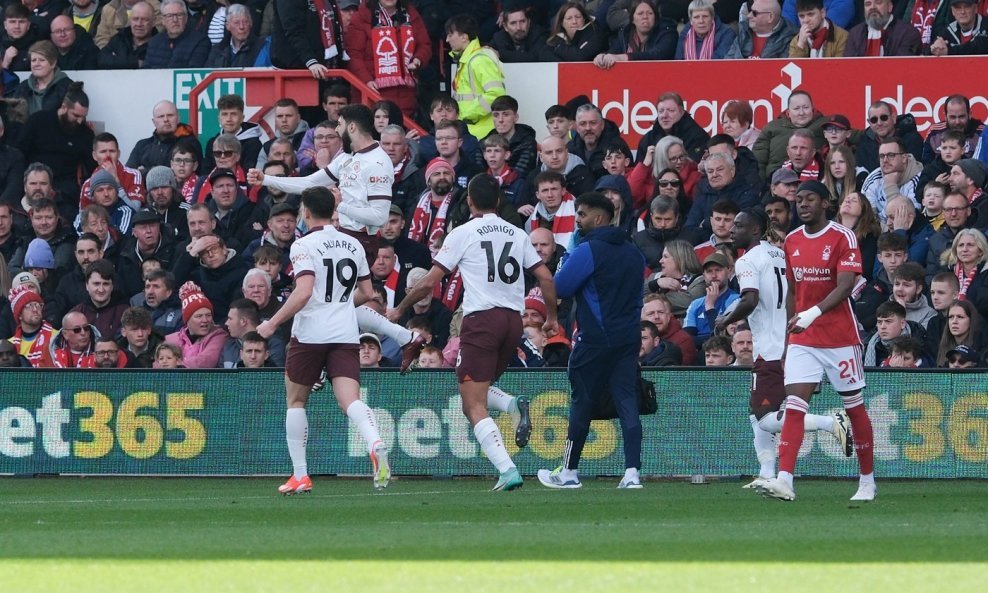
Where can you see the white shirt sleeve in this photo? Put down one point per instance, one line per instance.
(450, 254)
(302, 260)
(296, 185)
(374, 213)
(746, 274)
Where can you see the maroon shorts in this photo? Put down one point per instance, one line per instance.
(488, 340)
(305, 362)
(768, 387)
(369, 243)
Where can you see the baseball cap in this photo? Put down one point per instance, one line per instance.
(717, 258)
(145, 216)
(369, 337)
(396, 210)
(784, 175)
(221, 172)
(839, 121)
(282, 208)
(964, 353)
(345, 4)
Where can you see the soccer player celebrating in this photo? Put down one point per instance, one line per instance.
(331, 277)
(823, 265)
(364, 177)
(760, 272)
(491, 255)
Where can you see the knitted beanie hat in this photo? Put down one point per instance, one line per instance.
(160, 177)
(193, 299)
(20, 297)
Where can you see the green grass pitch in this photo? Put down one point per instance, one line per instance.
(148, 535)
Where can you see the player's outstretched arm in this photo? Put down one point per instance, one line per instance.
(292, 185)
(414, 295)
(300, 295)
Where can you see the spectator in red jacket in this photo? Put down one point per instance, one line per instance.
(388, 44)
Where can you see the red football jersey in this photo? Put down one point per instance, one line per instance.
(812, 262)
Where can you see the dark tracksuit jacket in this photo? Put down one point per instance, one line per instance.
(604, 274)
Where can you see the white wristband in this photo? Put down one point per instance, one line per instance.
(805, 318)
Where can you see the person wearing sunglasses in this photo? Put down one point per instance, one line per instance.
(226, 153)
(762, 32)
(885, 123)
(72, 348)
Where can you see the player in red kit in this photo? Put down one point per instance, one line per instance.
(823, 265)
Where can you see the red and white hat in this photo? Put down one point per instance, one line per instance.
(193, 299)
(20, 297)
(437, 164)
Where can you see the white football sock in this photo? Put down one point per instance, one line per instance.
(491, 442)
(785, 477)
(297, 435)
(363, 417)
(499, 400)
(372, 321)
(824, 423)
(811, 422)
(764, 449)
(632, 474)
(866, 479)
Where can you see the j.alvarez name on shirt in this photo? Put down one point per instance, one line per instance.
(336, 244)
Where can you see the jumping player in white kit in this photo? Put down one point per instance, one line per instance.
(331, 276)
(492, 255)
(761, 274)
(364, 176)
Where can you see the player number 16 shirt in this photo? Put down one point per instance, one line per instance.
(813, 262)
(492, 255)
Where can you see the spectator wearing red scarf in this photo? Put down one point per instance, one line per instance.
(387, 43)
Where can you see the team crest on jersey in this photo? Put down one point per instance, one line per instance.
(797, 273)
(826, 253)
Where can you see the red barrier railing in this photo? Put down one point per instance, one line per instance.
(268, 86)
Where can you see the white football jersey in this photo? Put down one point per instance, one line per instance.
(492, 255)
(763, 268)
(363, 176)
(337, 261)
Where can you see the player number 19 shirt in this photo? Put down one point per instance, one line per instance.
(492, 255)
(338, 262)
(814, 260)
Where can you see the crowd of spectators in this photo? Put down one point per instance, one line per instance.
(168, 258)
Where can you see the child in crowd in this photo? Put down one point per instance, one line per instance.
(168, 356)
(268, 258)
(717, 352)
(430, 358)
(933, 195)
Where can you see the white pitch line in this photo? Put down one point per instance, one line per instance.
(199, 498)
